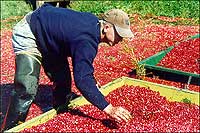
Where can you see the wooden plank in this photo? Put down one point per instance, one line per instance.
(34, 122)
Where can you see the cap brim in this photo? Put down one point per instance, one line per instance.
(124, 32)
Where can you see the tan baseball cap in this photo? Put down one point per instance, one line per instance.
(120, 20)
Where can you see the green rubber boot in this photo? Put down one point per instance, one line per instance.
(26, 84)
(59, 73)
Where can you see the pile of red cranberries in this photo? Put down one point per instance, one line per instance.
(150, 113)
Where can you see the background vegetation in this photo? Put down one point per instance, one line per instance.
(170, 8)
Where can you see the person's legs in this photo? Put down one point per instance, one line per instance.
(62, 84)
(64, 4)
(52, 3)
(59, 73)
(26, 84)
(27, 62)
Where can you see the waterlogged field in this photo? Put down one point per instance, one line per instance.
(159, 115)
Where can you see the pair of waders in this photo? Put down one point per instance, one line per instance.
(28, 63)
(26, 86)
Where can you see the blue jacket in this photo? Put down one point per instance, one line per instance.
(62, 33)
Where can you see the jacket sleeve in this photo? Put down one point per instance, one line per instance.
(83, 70)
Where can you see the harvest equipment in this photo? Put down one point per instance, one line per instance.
(150, 64)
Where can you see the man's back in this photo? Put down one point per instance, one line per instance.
(58, 28)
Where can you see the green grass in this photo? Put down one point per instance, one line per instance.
(10, 9)
(13, 8)
(183, 8)
(178, 8)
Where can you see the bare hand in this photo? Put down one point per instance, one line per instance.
(118, 113)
